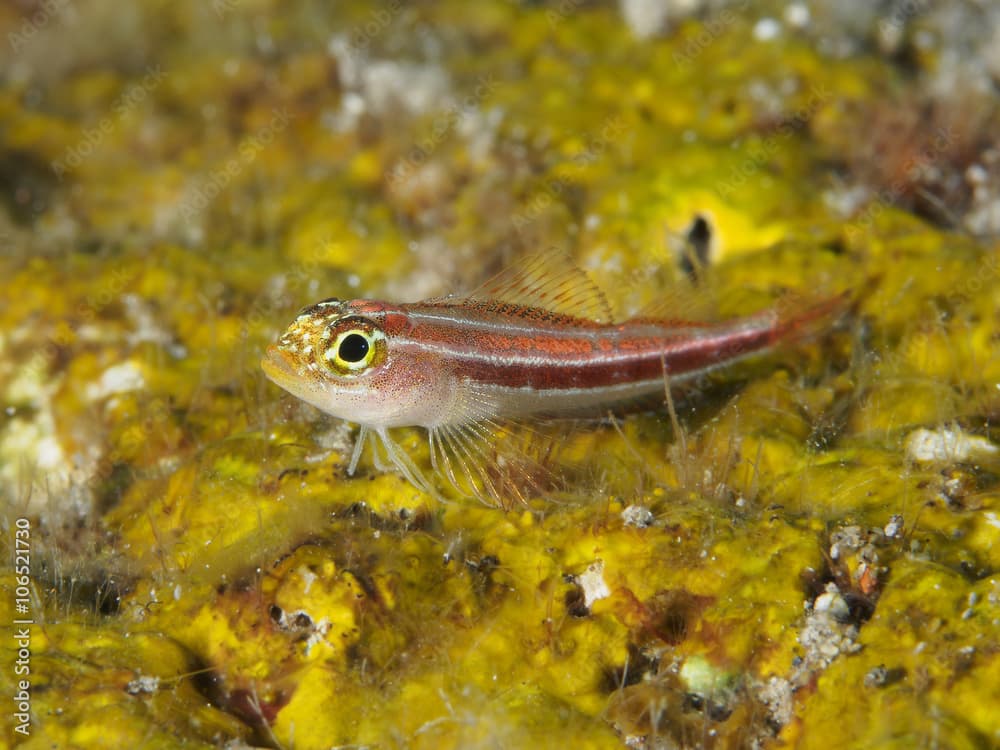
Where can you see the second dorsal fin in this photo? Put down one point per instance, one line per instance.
(548, 280)
(679, 302)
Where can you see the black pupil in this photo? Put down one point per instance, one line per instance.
(353, 348)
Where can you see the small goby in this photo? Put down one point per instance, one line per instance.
(535, 341)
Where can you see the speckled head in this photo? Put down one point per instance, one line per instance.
(336, 356)
(326, 353)
(311, 325)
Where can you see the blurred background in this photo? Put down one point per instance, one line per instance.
(812, 561)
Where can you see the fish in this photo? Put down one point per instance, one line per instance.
(537, 341)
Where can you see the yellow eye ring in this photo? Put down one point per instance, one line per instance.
(354, 350)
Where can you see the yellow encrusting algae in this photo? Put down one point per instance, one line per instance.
(811, 561)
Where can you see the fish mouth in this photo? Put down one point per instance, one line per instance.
(277, 365)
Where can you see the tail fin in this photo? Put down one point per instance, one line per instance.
(797, 318)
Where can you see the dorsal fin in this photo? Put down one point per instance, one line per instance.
(551, 281)
(680, 302)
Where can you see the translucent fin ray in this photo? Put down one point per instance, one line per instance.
(402, 463)
(550, 281)
(489, 461)
(359, 446)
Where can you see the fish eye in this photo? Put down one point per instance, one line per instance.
(355, 349)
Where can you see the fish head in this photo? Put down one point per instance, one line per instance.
(340, 357)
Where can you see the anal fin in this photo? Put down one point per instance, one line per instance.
(499, 464)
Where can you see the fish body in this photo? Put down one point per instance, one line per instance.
(511, 360)
(532, 342)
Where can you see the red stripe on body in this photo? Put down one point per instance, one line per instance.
(516, 347)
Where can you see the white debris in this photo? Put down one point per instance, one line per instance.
(117, 379)
(824, 639)
(947, 445)
(30, 449)
(416, 89)
(895, 527)
(797, 15)
(983, 179)
(308, 577)
(50, 453)
(592, 583)
(767, 29)
(778, 695)
(25, 440)
(384, 88)
(700, 676)
(831, 602)
(637, 515)
(146, 327)
(847, 200)
(143, 684)
(647, 18)
(318, 635)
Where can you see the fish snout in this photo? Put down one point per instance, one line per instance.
(277, 364)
